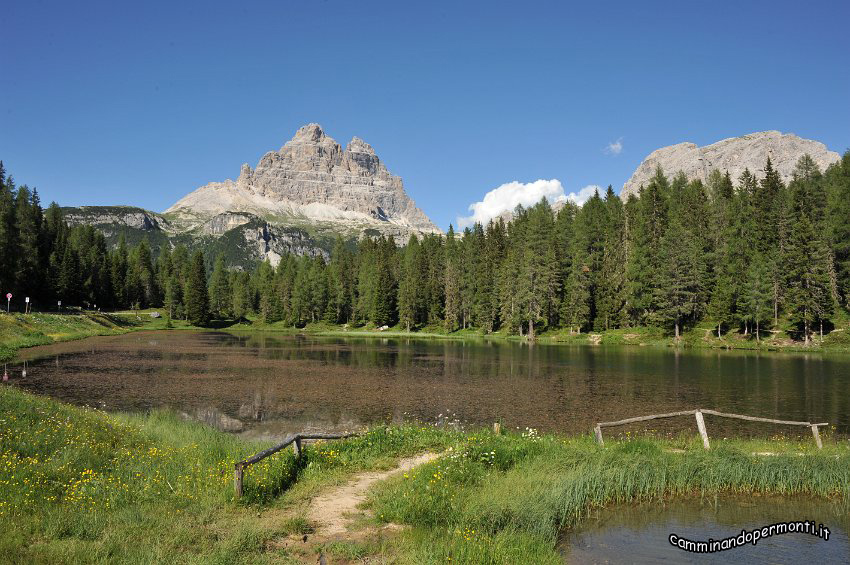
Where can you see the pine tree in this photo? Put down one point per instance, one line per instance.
(220, 294)
(678, 292)
(757, 297)
(119, 273)
(341, 282)
(384, 306)
(8, 234)
(645, 257)
(197, 300)
(770, 228)
(808, 260)
(452, 281)
(269, 302)
(494, 256)
(433, 267)
(837, 181)
(575, 308)
(240, 302)
(611, 309)
(410, 300)
(28, 278)
(174, 297)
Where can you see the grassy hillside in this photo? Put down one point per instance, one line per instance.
(83, 486)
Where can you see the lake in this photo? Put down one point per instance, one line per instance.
(640, 533)
(264, 385)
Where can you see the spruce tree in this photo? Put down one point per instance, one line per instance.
(756, 301)
(28, 278)
(807, 259)
(410, 286)
(645, 256)
(611, 302)
(837, 181)
(452, 281)
(197, 300)
(240, 302)
(220, 294)
(678, 292)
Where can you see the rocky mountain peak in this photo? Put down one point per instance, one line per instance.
(734, 155)
(311, 179)
(357, 145)
(311, 133)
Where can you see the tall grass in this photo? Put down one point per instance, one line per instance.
(498, 497)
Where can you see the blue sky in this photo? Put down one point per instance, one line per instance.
(120, 103)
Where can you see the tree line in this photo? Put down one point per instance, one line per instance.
(745, 254)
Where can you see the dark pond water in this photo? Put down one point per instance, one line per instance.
(265, 385)
(640, 534)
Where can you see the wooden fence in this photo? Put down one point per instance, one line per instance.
(597, 431)
(292, 439)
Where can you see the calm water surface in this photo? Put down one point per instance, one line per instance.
(639, 534)
(265, 385)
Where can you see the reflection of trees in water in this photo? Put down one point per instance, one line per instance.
(263, 380)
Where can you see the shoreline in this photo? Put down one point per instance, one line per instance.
(23, 331)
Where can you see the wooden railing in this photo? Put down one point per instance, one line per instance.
(597, 431)
(292, 439)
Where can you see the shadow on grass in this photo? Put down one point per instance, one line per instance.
(284, 474)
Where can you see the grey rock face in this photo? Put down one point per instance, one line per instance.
(127, 216)
(313, 178)
(218, 225)
(733, 155)
(266, 242)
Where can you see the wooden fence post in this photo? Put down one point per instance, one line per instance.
(238, 473)
(597, 431)
(817, 436)
(701, 426)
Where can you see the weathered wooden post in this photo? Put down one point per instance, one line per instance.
(497, 428)
(597, 431)
(238, 473)
(701, 426)
(296, 447)
(817, 436)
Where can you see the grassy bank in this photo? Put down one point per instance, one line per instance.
(28, 330)
(701, 336)
(82, 486)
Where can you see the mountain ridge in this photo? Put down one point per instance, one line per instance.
(733, 154)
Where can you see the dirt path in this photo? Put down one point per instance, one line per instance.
(335, 510)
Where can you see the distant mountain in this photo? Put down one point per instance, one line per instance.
(733, 155)
(244, 239)
(296, 200)
(311, 182)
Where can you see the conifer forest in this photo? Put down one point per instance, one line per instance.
(742, 253)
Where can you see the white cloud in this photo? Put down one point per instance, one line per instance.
(507, 196)
(615, 147)
(582, 195)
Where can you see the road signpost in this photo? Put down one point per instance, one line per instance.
(27, 305)
(8, 301)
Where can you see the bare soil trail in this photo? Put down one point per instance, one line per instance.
(333, 512)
